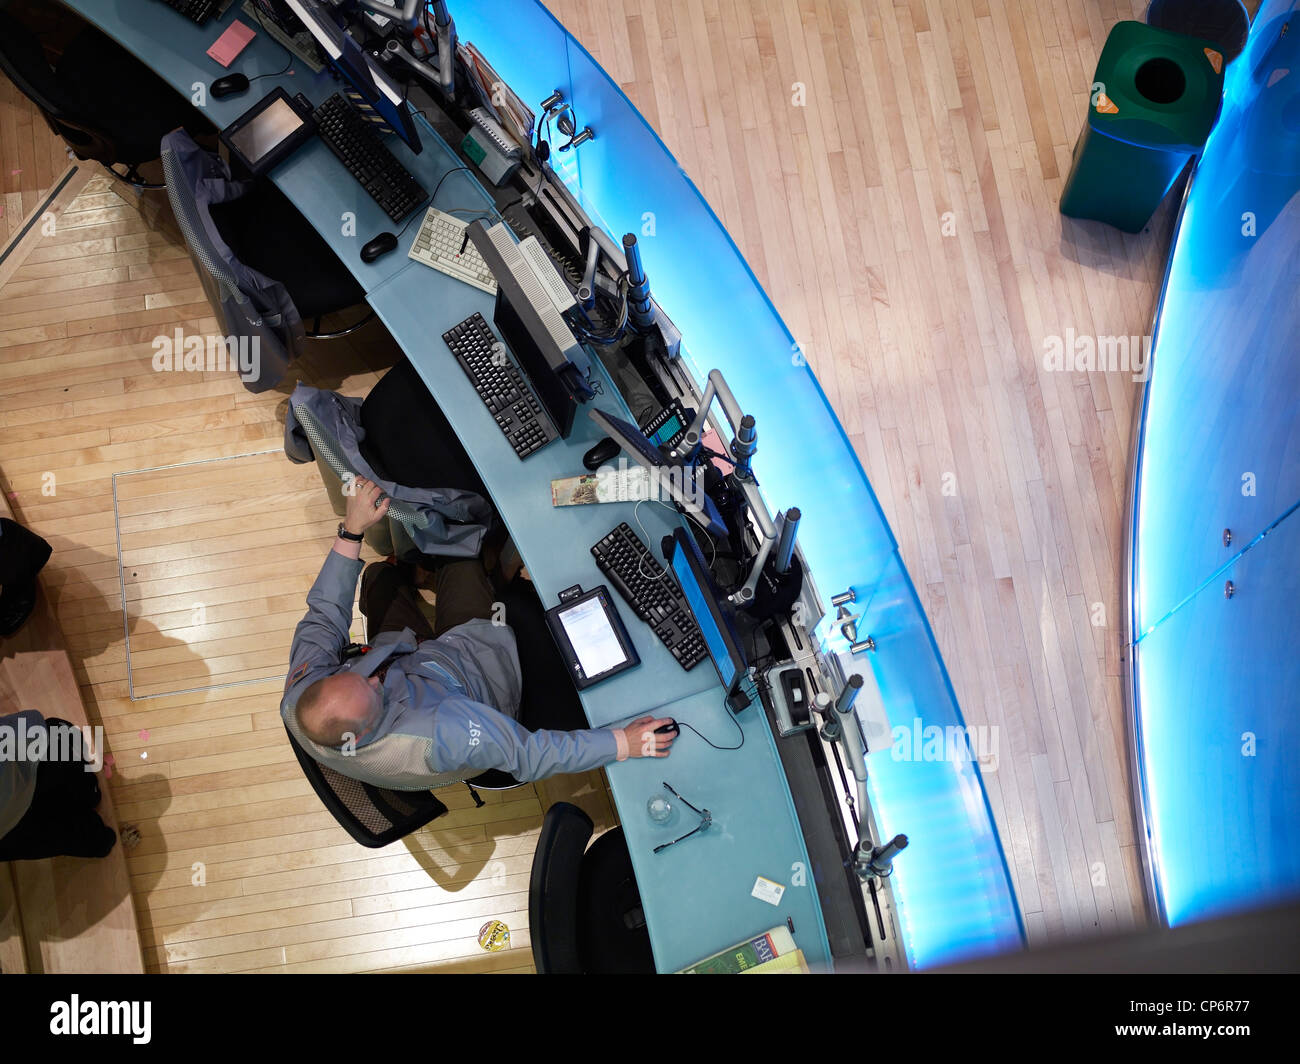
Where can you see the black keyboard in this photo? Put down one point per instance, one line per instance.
(508, 397)
(652, 593)
(350, 137)
(197, 11)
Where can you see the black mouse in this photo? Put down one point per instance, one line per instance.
(600, 454)
(230, 85)
(668, 729)
(381, 245)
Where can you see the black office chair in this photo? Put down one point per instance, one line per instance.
(374, 816)
(263, 267)
(105, 103)
(584, 908)
(269, 234)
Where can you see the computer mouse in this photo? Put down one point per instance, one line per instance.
(600, 454)
(668, 729)
(230, 85)
(381, 245)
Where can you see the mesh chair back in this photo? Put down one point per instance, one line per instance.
(268, 324)
(553, 889)
(374, 816)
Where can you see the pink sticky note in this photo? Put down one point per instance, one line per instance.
(231, 43)
(144, 735)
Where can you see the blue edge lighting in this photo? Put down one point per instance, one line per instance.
(1214, 620)
(952, 887)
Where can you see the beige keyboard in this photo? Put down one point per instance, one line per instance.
(440, 244)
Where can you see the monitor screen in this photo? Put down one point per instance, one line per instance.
(680, 483)
(688, 567)
(348, 58)
(556, 396)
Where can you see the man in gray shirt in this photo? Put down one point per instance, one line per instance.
(415, 713)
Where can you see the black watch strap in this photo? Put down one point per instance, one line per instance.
(352, 537)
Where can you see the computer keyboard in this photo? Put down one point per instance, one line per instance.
(651, 592)
(508, 397)
(442, 244)
(351, 138)
(198, 11)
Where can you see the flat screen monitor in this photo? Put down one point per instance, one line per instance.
(674, 479)
(712, 615)
(348, 58)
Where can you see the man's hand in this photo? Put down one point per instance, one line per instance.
(365, 507)
(642, 740)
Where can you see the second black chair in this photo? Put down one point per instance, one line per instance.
(584, 907)
(105, 103)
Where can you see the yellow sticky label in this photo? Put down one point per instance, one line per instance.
(1105, 106)
(1216, 60)
(494, 936)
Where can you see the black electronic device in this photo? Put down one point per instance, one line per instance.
(797, 696)
(350, 137)
(198, 11)
(229, 85)
(598, 455)
(668, 729)
(269, 131)
(382, 244)
(591, 636)
(672, 478)
(651, 592)
(715, 618)
(668, 427)
(508, 397)
(383, 100)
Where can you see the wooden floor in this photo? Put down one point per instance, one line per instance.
(903, 218)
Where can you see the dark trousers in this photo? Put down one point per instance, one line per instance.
(61, 821)
(390, 602)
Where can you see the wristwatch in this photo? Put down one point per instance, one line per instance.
(351, 537)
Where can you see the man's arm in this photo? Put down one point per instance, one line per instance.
(321, 635)
(472, 735)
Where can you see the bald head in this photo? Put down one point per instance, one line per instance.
(344, 703)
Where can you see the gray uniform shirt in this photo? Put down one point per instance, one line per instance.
(449, 703)
(17, 777)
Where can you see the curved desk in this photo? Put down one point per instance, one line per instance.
(950, 895)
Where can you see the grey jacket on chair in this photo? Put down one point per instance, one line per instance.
(254, 310)
(321, 425)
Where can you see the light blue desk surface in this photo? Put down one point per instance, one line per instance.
(313, 179)
(696, 895)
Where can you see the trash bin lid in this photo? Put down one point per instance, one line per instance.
(1156, 88)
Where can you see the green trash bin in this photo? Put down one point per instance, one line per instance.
(1155, 98)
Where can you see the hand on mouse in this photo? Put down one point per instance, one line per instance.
(642, 740)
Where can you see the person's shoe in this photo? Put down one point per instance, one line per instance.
(16, 605)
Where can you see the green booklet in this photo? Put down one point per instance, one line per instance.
(745, 955)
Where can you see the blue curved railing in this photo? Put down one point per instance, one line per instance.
(1215, 680)
(952, 886)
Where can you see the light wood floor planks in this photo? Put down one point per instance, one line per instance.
(240, 868)
(891, 170)
(904, 222)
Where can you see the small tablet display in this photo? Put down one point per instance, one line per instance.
(269, 131)
(591, 636)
